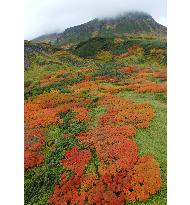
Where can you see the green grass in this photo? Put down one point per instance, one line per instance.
(95, 114)
(36, 73)
(153, 141)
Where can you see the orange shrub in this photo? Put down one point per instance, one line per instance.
(145, 179)
(121, 112)
(88, 182)
(151, 87)
(129, 69)
(162, 75)
(146, 87)
(42, 118)
(53, 99)
(82, 114)
(45, 108)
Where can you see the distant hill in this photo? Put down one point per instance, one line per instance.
(121, 26)
(47, 38)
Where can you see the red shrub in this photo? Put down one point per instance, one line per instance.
(67, 192)
(135, 184)
(72, 191)
(76, 160)
(32, 158)
(34, 140)
(115, 151)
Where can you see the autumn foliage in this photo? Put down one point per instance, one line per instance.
(76, 160)
(34, 140)
(123, 112)
(120, 174)
(134, 50)
(145, 179)
(162, 75)
(32, 158)
(137, 183)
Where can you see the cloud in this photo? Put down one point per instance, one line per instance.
(49, 16)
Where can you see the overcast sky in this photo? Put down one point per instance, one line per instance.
(49, 16)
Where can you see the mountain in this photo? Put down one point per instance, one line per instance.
(124, 25)
(83, 107)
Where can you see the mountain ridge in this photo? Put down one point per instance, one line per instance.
(118, 26)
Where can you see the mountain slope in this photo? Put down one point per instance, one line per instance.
(128, 23)
(91, 47)
(47, 38)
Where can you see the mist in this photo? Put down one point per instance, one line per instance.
(54, 16)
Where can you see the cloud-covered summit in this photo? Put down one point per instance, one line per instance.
(49, 16)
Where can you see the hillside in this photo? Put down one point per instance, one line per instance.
(117, 46)
(122, 25)
(33, 51)
(89, 122)
(95, 115)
